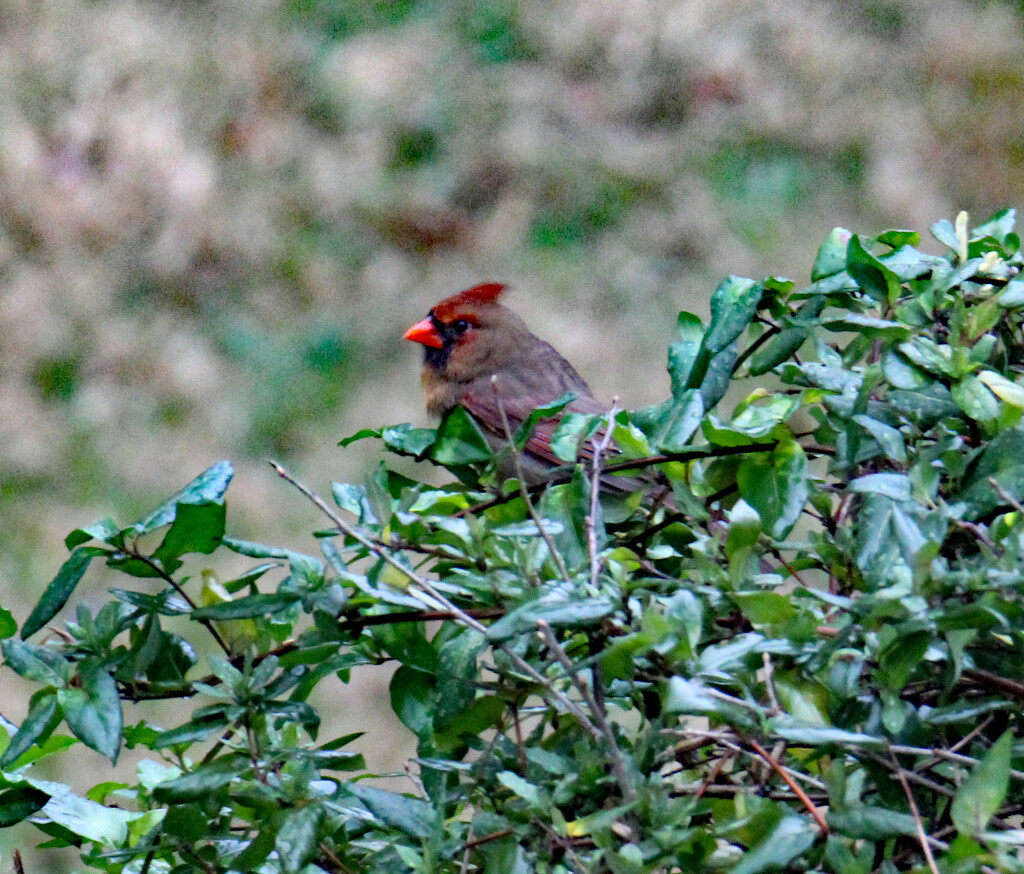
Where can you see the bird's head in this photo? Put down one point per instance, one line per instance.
(469, 332)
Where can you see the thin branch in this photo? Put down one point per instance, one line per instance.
(167, 578)
(967, 738)
(947, 755)
(712, 776)
(796, 787)
(486, 839)
(986, 678)
(773, 329)
(900, 749)
(430, 591)
(1005, 495)
(595, 496)
(557, 476)
(913, 776)
(603, 726)
(793, 572)
(922, 836)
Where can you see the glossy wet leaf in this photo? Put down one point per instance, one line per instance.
(60, 589)
(982, 793)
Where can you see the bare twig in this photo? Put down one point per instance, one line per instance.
(922, 836)
(1005, 495)
(947, 755)
(712, 776)
(158, 569)
(1010, 687)
(630, 464)
(423, 589)
(796, 787)
(595, 495)
(486, 839)
(912, 776)
(600, 717)
(967, 738)
(900, 749)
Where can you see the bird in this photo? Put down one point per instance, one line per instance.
(480, 355)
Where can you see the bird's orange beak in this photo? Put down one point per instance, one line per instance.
(424, 332)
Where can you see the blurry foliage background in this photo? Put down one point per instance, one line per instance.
(218, 218)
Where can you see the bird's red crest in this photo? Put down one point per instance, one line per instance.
(486, 293)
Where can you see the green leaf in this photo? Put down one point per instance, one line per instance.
(297, 839)
(975, 399)
(999, 226)
(791, 837)
(764, 608)
(106, 826)
(41, 720)
(61, 588)
(569, 505)
(776, 485)
(1002, 459)
(201, 726)
(406, 440)
(897, 239)
(733, 305)
(556, 610)
(831, 257)
(889, 439)
(897, 661)
(945, 233)
(1012, 294)
(460, 441)
(412, 700)
(881, 329)
(410, 815)
(8, 626)
(19, 803)
(679, 422)
(691, 697)
(361, 434)
(523, 788)
(718, 376)
(92, 709)
(930, 356)
(895, 486)
(203, 781)
(545, 411)
(872, 823)
(104, 529)
(256, 551)
(208, 486)
(197, 527)
(37, 663)
(874, 278)
(982, 793)
(683, 354)
(456, 675)
(815, 735)
(247, 607)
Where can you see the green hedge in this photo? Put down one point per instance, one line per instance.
(809, 656)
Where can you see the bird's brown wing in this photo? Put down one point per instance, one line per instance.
(482, 402)
(517, 392)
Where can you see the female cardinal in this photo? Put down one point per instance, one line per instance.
(480, 355)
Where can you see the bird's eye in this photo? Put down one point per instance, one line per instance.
(460, 326)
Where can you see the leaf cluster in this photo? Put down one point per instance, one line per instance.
(793, 641)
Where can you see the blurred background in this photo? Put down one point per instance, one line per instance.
(217, 217)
